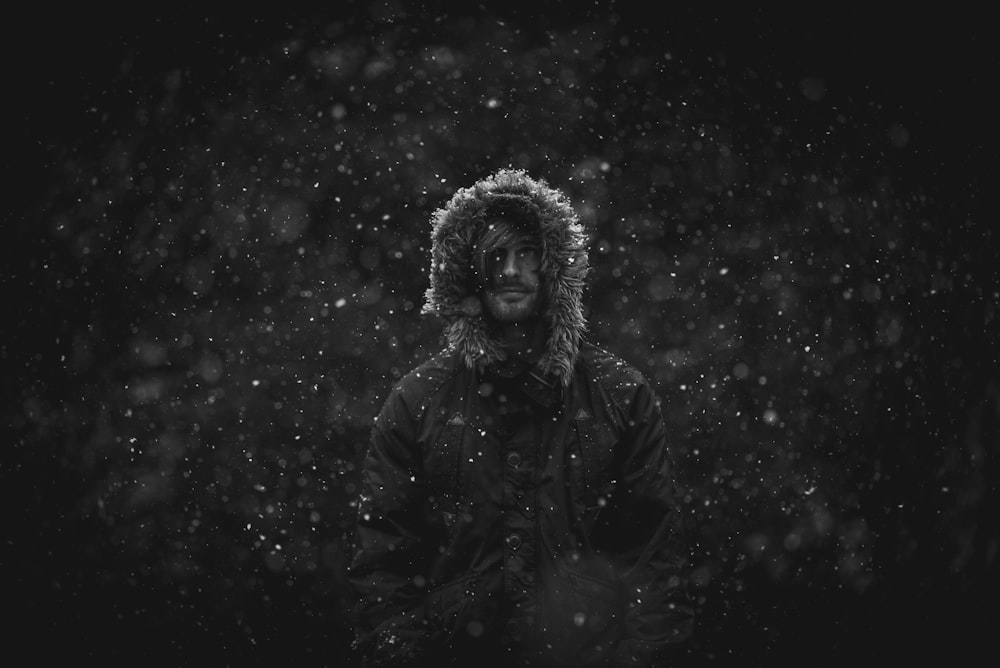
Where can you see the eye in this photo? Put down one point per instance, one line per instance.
(528, 253)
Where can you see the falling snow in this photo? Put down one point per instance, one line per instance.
(225, 263)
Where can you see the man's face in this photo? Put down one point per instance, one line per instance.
(513, 283)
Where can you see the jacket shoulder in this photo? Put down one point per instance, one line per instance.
(412, 393)
(429, 374)
(621, 380)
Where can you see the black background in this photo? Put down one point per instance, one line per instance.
(933, 73)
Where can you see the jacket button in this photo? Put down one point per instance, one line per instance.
(514, 541)
(513, 459)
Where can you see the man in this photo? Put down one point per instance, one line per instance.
(517, 504)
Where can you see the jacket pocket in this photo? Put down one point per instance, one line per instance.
(442, 460)
(584, 614)
(448, 608)
(591, 458)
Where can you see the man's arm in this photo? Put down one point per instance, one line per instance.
(659, 615)
(386, 559)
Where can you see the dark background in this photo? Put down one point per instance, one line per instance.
(216, 253)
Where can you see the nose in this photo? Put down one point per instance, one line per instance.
(510, 268)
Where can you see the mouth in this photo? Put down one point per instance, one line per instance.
(512, 291)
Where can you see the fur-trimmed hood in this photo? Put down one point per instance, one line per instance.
(453, 294)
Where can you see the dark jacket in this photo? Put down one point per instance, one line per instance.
(517, 514)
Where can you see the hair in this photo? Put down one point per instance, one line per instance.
(501, 230)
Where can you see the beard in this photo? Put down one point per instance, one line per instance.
(513, 303)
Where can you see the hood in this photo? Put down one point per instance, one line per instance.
(453, 294)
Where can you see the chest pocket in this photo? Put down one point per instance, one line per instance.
(443, 459)
(592, 458)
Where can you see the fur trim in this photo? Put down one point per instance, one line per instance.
(453, 294)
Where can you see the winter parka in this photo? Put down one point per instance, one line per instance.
(513, 513)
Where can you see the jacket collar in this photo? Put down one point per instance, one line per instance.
(539, 386)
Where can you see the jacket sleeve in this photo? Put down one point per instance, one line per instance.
(387, 542)
(659, 616)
